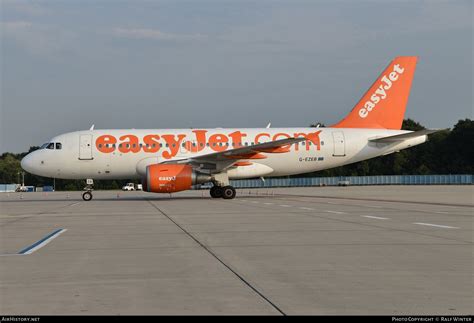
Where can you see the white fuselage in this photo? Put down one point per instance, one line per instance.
(125, 153)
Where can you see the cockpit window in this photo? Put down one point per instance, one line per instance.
(59, 145)
(44, 145)
(50, 145)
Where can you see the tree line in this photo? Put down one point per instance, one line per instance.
(450, 151)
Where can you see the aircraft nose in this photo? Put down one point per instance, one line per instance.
(27, 163)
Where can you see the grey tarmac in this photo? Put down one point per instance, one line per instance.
(283, 251)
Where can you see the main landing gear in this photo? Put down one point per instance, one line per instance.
(226, 192)
(87, 195)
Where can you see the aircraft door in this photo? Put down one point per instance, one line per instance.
(85, 147)
(339, 144)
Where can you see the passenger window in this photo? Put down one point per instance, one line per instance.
(50, 145)
(59, 145)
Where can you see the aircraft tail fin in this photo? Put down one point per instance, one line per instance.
(383, 105)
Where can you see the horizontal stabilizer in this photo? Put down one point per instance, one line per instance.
(405, 136)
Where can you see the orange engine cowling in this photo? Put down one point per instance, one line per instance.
(168, 178)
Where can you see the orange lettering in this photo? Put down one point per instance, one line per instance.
(280, 134)
(257, 137)
(200, 141)
(313, 137)
(218, 142)
(129, 146)
(236, 137)
(151, 143)
(105, 143)
(173, 145)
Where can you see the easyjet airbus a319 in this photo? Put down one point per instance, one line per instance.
(172, 160)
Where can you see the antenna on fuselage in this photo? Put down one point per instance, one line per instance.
(92, 127)
(268, 125)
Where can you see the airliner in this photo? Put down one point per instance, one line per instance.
(172, 160)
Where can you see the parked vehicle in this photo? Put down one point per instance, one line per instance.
(129, 187)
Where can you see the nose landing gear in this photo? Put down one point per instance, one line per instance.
(87, 195)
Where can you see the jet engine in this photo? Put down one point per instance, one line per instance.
(168, 178)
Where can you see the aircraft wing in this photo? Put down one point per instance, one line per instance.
(223, 159)
(405, 136)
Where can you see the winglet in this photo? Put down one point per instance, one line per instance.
(383, 105)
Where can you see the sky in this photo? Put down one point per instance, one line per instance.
(67, 64)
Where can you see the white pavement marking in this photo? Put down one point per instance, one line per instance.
(306, 208)
(336, 212)
(41, 243)
(268, 203)
(436, 225)
(74, 203)
(332, 203)
(284, 205)
(441, 212)
(374, 217)
(373, 206)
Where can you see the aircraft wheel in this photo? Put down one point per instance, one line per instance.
(87, 196)
(216, 191)
(228, 192)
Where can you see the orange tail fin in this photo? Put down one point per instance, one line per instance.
(383, 105)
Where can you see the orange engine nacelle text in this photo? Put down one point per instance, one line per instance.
(170, 178)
